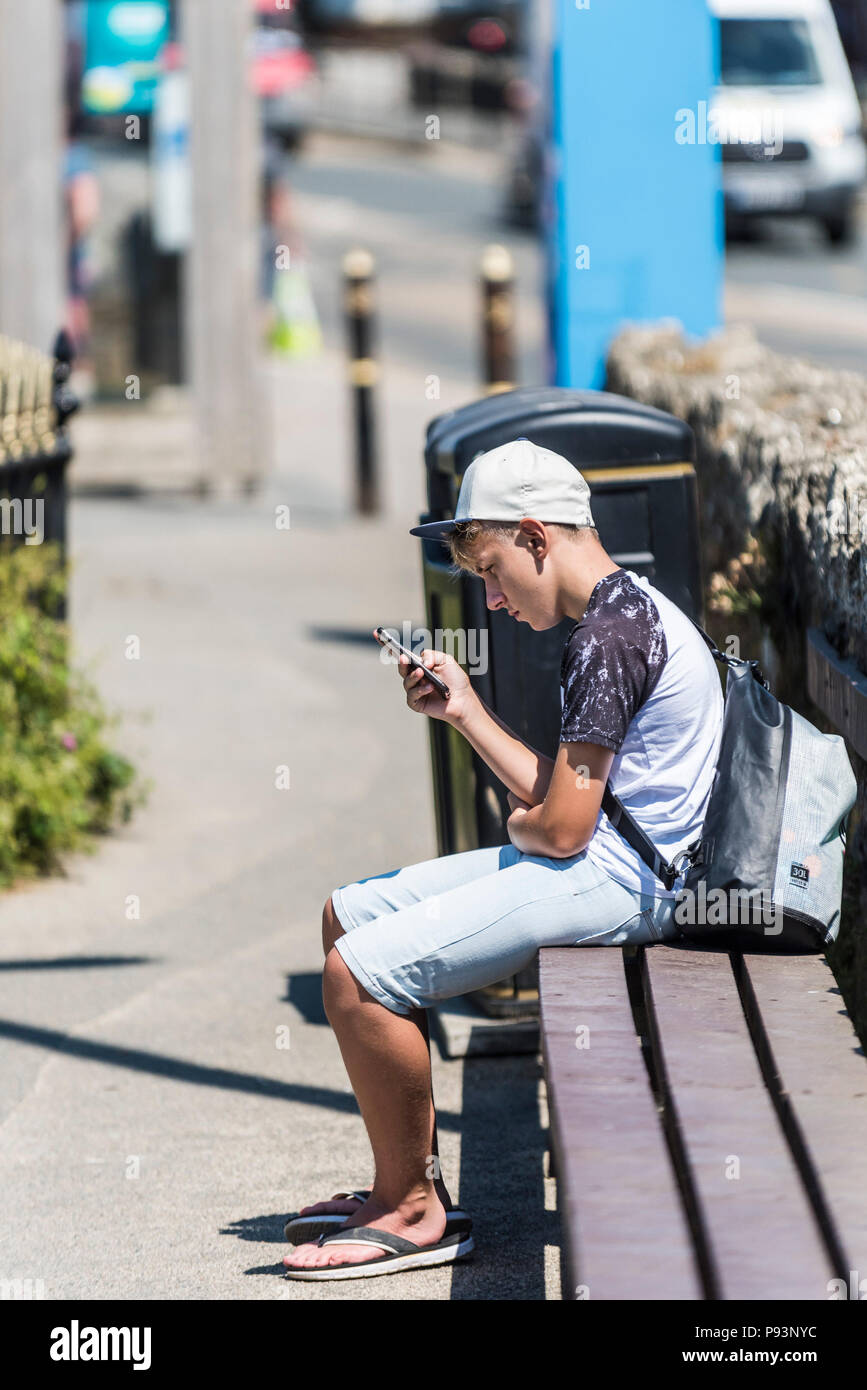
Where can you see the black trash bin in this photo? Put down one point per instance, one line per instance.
(638, 462)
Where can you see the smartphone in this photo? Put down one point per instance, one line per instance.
(386, 640)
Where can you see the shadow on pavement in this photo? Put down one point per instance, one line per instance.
(174, 1069)
(502, 1181)
(304, 993)
(258, 1228)
(357, 635)
(75, 962)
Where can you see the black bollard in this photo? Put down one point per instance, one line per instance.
(65, 400)
(358, 267)
(64, 403)
(498, 365)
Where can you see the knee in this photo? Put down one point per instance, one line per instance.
(331, 927)
(340, 989)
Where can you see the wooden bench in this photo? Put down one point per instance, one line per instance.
(708, 1119)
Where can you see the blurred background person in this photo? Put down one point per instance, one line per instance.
(81, 202)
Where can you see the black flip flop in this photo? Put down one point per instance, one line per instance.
(301, 1229)
(399, 1254)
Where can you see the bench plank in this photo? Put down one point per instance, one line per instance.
(822, 1069)
(625, 1235)
(763, 1235)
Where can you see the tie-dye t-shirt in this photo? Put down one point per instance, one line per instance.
(636, 677)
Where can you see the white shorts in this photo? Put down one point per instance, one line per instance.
(445, 926)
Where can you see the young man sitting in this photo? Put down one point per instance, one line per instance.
(642, 710)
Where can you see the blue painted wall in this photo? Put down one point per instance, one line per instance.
(645, 205)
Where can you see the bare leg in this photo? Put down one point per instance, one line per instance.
(387, 1061)
(439, 1181)
(331, 930)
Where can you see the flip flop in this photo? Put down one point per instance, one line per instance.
(399, 1254)
(301, 1229)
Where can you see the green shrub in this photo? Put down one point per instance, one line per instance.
(59, 781)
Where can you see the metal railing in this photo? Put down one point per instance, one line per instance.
(35, 403)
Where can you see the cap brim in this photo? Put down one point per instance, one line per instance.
(433, 530)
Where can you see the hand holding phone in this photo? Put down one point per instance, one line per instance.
(391, 643)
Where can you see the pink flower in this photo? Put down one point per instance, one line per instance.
(69, 741)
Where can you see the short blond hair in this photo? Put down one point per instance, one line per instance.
(466, 533)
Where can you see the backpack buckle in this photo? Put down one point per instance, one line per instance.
(683, 861)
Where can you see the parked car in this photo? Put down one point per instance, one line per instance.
(495, 27)
(366, 20)
(285, 76)
(787, 115)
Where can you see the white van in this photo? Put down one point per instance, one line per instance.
(786, 114)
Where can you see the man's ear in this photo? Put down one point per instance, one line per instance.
(530, 534)
(539, 542)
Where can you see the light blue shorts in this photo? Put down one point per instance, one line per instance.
(433, 930)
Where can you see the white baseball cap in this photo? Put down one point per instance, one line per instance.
(514, 480)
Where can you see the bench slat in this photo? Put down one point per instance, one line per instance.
(625, 1235)
(822, 1068)
(762, 1232)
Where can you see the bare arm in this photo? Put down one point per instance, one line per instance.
(564, 795)
(565, 822)
(555, 803)
(524, 770)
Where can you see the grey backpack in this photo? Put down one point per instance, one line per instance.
(766, 873)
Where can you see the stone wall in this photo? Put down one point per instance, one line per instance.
(782, 454)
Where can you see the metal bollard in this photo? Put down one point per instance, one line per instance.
(64, 399)
(358, 267)
(498, 365)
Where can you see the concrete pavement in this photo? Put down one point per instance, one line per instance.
(156, 1127)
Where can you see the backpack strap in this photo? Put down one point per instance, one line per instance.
(732, 660)
(626, 825)
(714, 649)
